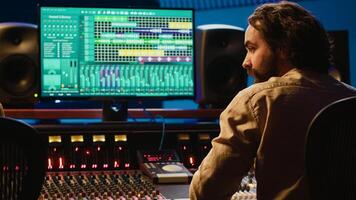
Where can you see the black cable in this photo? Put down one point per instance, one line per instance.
(153, 119)
(163, 131)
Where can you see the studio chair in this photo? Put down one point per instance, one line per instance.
(22, 160)
(331, 152)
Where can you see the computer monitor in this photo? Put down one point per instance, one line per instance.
(102, 53)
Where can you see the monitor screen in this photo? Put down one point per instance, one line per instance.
(94, 52)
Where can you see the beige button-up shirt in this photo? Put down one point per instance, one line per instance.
(266, 123)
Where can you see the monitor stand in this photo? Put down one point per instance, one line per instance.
(115, 111)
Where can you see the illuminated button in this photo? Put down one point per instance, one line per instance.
(172, 168)
(76, 138)
(54, 138)
(120, 138)
(204, 137)
(98, 138)
(184, 137)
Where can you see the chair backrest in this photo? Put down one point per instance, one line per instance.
(331, 152)
(22, 160)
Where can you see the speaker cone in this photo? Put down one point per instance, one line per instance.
(17, 75)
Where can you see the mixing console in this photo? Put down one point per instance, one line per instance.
(121, 185)
(99, 161)
(99, 185)
(113, 146)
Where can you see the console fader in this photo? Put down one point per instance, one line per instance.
(120, 185)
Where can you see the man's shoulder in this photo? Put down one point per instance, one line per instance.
(256, 91)
(296, 82)
(266, 86)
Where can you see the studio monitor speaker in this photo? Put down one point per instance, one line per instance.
(220, 53)
(18, 64)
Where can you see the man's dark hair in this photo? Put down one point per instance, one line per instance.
(292, 29)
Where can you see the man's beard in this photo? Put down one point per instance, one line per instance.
(268, 70)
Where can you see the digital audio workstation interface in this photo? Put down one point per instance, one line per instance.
(116, 52)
